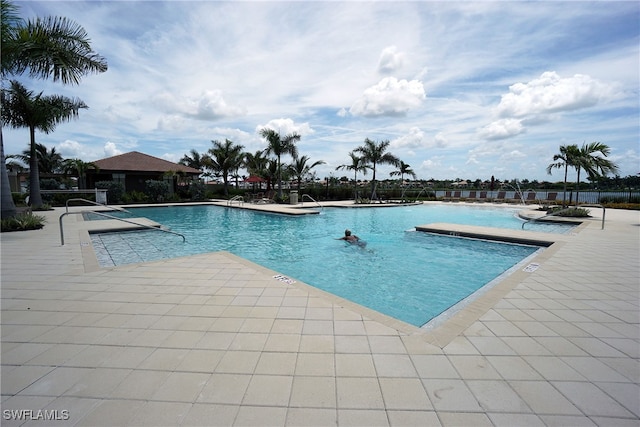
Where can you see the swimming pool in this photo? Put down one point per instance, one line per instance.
(408, 275)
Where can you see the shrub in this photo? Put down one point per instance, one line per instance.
(197, 190)
(569, 212)
(115, 190)
(135, 197)
(22, 222)
(158, 191)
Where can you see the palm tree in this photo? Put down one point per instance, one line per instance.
(358, 164)
(300, 167)
(594, 164)
(77, 166)
(21, 108)
(50, 47)
(375, 153)
(256, 163)
(279, 145)
(48, 161)
(564, 159)
(193, 161)
(226, 157)
(403, 169)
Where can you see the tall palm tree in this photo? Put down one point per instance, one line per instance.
(591, 158)
(358, 164)
(300, 168)
(278, 146)
(567, 157)
(375, 153)
(22, 108)
(79, 167)
(48, 48)
(226, 158)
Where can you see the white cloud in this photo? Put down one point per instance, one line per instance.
(212, 105)
(111, 150)
(551, 93)
(513, 155)
(441, 140)
(72, 149)
(390, 60)
(209, 105)
(286, 126)
(171, 123)
(541, 101)
(414, 139)
(501, 129)
(390, 97)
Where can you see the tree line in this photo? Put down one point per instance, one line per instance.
(224, 159)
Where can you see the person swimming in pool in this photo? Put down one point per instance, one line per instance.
(352, 238)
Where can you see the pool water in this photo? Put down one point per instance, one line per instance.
(409, 275)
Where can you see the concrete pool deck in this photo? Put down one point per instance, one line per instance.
(213, 339)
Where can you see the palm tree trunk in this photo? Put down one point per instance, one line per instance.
(35, 198)
(373, 184)
(279, 180)
(8, 207)
(564, 193)
(355, 187)
(578, 188)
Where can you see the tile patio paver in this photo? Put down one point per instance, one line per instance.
(213, 339)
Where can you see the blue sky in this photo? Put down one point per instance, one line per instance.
(461, 89)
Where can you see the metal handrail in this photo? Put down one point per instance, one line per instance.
(604, 213)
(312, 199)
(94, 203)
(239, 199)
(184, 239)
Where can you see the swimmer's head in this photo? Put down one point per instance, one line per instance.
(347, 232)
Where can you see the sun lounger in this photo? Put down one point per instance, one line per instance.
(550, 199)
(447, 196)
(471, 197)
(483, 197)
(500, 198)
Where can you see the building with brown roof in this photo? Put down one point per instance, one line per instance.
(133, 169)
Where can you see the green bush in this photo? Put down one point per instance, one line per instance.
(115, 190)
(19, 198)
(569, 212)
(158, 191)
(22, 222)
(197, 190)
(135, 197)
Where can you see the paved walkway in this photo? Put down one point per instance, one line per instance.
(216, 340)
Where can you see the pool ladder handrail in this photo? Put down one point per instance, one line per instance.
(239, 199)
(310, 198)
(184, 239)
(604, 212)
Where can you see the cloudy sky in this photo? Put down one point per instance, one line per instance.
(461, 90)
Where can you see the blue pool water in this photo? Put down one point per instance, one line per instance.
(408, 275)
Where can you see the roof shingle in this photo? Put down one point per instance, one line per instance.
(139, 162)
